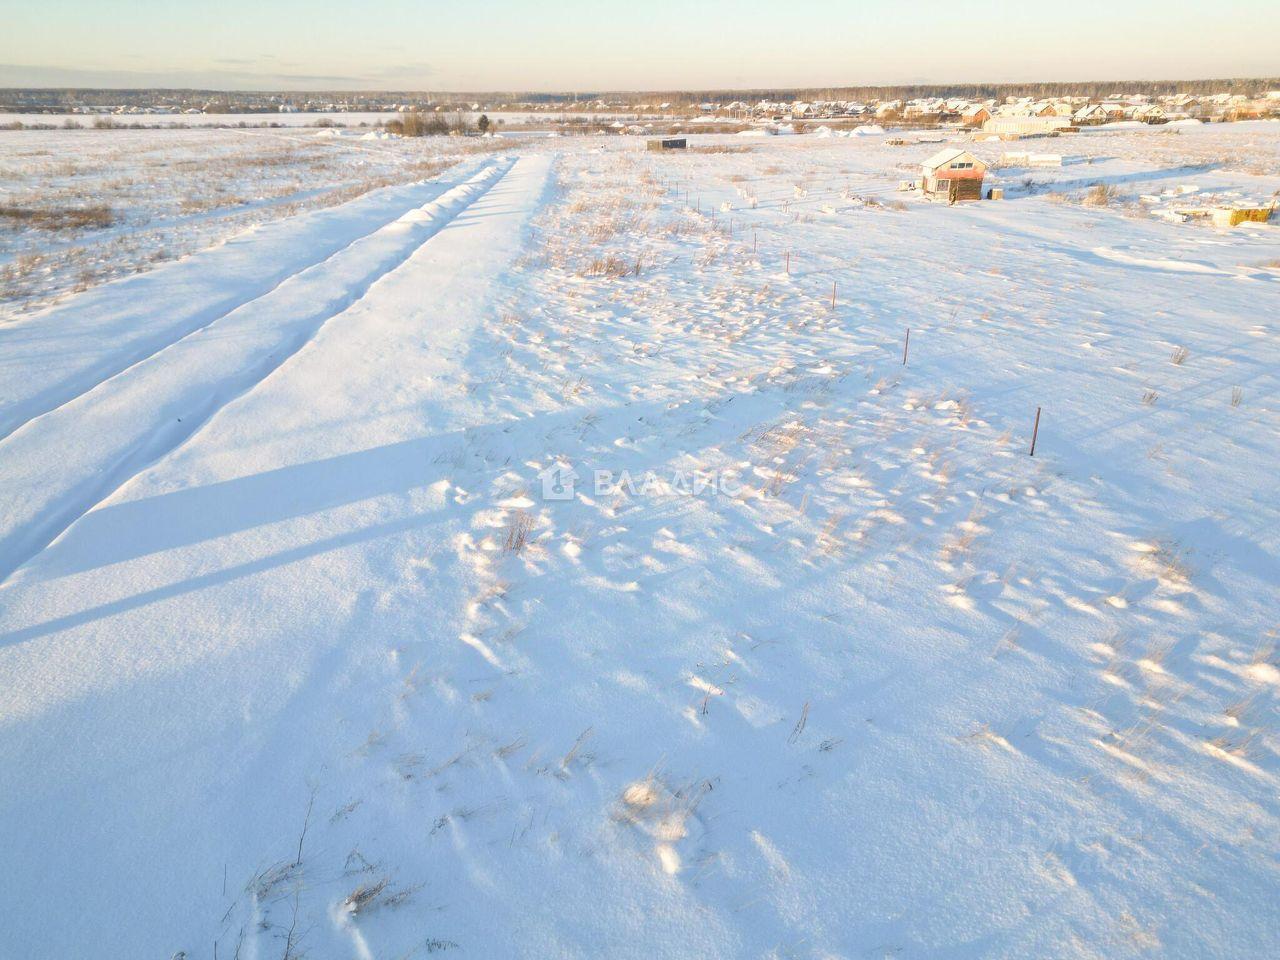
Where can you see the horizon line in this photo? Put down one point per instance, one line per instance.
(601, 92)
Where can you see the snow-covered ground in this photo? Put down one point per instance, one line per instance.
(342, 118)
(166, 194)
(555, 557)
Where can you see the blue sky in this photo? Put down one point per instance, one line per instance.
(610, 44)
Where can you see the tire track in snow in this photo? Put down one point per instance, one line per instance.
(128, 317)
(69, 460)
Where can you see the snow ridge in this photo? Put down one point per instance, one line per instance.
(61, 353)
(155, 405)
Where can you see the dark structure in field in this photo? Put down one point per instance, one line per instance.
(668, 143)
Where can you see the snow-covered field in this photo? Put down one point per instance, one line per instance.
(555, 557)
(167, 194)
(296, 119)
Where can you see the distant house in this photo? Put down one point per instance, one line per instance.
(1024, 126)
(921, 108)
(952, 175)
(1245, 111)
(1091, 115)
(976, 115)
(1150, 114)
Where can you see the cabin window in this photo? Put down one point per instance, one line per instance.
(961, 166)
(944, 185)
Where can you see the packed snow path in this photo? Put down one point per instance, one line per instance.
(307, 405)
(66, 460)
(64, 353)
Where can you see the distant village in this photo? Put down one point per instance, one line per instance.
(1018, 114)
(1008, 114)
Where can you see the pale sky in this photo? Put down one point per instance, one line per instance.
(568, 45)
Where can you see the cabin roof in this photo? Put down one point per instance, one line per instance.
(943, 157)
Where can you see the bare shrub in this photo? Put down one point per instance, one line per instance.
(363, 895)
(59, 218)
(518, 533)
(1179, 356)
(611, 267)
(1100, 195)
(193, 205)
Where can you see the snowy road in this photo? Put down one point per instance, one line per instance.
(71, 457)
(287, 435)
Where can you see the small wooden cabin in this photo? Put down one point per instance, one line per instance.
(952, 175)
(668, 143)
